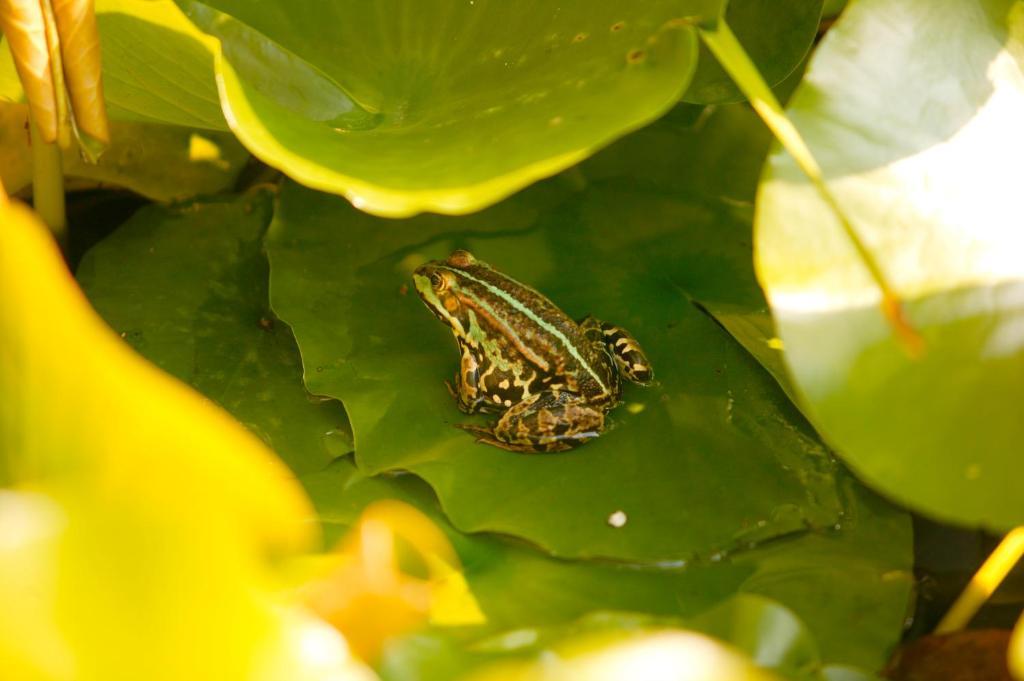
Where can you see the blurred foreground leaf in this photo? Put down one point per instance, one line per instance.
(141, 525)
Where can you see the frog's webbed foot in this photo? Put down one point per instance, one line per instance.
(628, 354)
(544, 423)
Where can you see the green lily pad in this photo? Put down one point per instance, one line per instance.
(157, 67)
(850, 585)
(921, 152)
(187, 288)
(160, 162)
(777, 35)
(446, 106)
(712, 457)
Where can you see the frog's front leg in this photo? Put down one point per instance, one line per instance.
(547, 422)
(466, 388)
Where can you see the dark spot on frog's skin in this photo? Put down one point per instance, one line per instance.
(266, 323)
(403, 289)
(718, 372)
(618, 26)
(319, 369)
(635, 56)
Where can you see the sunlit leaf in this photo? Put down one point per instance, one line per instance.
(157, 67)
(139, 532)
(187, 287)
(446, 105)
(160, 162)
(921, 153)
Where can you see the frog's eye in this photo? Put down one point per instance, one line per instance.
(437, 281)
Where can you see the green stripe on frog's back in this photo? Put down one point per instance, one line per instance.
(524, 309)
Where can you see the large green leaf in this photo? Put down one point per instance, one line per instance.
(187, 288)
(712, 457)
(922, 152)
(849, 585)
(776, 34)
(157, 67)
(446, 105)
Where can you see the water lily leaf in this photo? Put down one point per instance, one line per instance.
(141, 524)
(919, 151)
(406, 107)
(776, 35)
(157, 67)
(625, 250)
(187, 287)
(849, 585)
(160, 162)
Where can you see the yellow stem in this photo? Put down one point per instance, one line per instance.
(48, 183)
(984, 582)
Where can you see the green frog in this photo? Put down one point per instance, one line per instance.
(552, 379)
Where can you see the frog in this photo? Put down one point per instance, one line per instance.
(552, 380)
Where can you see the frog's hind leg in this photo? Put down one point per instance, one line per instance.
(628, 354)
(547, 422)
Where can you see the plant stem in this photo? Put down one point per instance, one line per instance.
(734, 59)
(48, 184)
(991, 573)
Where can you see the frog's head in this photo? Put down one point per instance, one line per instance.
(439, 287)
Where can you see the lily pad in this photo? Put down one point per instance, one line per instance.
(187, 288)
(849, 585)
(446, 105)
(712, 457)
(921, 152)
(157, 67)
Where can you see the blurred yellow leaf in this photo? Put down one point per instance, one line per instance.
(56, 50)
(370, 598)
(142, 526)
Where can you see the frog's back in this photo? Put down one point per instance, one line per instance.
(521, 312)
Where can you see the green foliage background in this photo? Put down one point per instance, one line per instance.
(600, 154)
